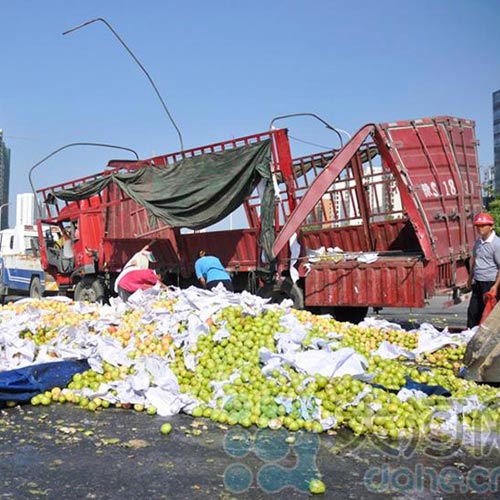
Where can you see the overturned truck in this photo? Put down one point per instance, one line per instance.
(384, 221)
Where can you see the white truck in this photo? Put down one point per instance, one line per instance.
(21, 271)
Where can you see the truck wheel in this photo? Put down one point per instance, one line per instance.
(288, 291)
(35, 288)
(353, 314)
(89, 290)
(293, 292)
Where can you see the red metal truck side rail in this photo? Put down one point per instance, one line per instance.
(281, 162)
(319, 187)
(217, 147)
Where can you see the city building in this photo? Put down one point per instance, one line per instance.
(25, 209)
(4, 182)
(496, 137)
(488, 182)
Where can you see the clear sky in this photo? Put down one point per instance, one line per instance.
(226, 68)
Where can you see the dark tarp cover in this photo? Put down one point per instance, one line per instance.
(22, 384)
(196, 192)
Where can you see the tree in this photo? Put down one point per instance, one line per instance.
(494, 210)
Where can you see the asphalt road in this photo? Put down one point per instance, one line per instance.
(65, 452)
(438, 311)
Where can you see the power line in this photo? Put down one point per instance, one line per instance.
(309, 143)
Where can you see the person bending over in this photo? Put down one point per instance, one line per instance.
(136, 275)
(210, 272)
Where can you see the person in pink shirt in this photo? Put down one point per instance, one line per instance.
(136, 275)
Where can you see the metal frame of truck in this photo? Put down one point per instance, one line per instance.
(406, 190)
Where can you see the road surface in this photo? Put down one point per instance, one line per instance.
(65, 452)
(437, 311)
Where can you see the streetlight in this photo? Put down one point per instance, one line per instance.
(1, 208)
(86, 23)
(98, 144)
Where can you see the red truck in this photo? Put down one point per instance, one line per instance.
(402, 194)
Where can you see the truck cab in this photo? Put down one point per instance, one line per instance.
(21, 271)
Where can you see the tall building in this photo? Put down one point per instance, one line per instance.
(496, 137)
(4, 182)
(25, 209)
(488, 182)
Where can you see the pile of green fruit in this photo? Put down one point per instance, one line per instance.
(229, 386)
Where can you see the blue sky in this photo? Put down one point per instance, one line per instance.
(226, 68)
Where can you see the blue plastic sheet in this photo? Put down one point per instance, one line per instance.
(430, 390)
(438, 390)
(24, 383)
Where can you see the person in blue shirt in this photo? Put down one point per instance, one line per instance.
(210, 272)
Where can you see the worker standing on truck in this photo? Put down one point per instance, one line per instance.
(484, 273)
(63, 247)
(210, 272)
(136, 275)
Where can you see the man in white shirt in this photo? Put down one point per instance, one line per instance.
(484, 274)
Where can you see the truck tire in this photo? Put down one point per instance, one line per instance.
(277, 294)
(35, 288)
(352, 314)
(296, 295)
(89, 289)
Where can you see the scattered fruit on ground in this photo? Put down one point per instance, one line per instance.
(166, 428)
(317, 487)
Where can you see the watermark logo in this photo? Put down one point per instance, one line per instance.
(271, 447)
(386, 479)
(439, 437)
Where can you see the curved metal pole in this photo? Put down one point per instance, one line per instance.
(86, 23)
(98, 144)
(349, 136)
(326, 124)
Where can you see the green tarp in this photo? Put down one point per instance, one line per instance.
(196, 192)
